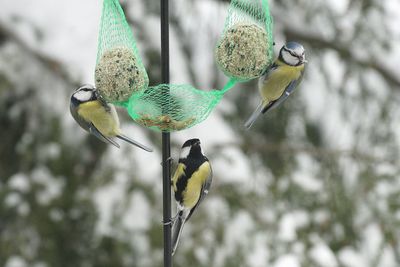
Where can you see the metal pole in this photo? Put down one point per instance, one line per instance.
(166, 145)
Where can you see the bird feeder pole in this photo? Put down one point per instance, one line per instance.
(166, 143)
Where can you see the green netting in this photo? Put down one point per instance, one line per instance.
(171, 107)
(119, 69)
(121, 78)
(245, 48)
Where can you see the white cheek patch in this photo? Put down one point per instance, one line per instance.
(185, 152)
(83, 95)
(289, 59)
(299, 51)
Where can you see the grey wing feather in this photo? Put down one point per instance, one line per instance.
(111, 109)
(89, 127)
(93, 130)
(135, 143)
(84, 124)
(289, 89)
(260, 108)
(177, 230)
(254, 116)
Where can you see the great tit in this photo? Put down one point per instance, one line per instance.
(97, 116)
(280, 79)
(191, 183)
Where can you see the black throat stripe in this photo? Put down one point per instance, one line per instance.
(192, 165)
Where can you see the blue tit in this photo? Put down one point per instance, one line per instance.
(280, 79)
(191, 183)
(98, 117)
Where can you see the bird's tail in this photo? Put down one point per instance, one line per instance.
(177, 230)
(254, 116)
(133, 142)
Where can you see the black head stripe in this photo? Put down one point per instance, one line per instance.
(190, 142)
(292, 53)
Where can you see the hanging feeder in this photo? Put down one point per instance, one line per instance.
(245, 49)
(182, 107)
(119, 69)
(243, 52)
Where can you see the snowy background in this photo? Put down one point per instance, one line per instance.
(315, 183)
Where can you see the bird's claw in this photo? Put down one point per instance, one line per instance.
(170, 221)
(168, 160)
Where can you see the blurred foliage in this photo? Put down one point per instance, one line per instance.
(52, 178)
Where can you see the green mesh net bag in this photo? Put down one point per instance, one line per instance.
(245, 49)
(121, 78)
(119, 69)
(171, 107)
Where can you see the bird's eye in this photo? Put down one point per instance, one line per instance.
(294, 54)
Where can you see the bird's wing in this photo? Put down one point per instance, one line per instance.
(84, 124)
(259, 110)
(254, 116)
(177, 229)
(178, 176)
(93, 130)
(90, 127)
(135, 143)
(286, 93)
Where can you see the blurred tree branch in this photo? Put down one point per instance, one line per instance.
(344, 50)
(50, 63)
(320, 152)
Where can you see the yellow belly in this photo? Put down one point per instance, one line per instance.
(277, 82)
(193, 190)
(95, 113)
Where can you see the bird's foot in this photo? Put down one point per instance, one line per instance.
(169, 160)
(171, 221)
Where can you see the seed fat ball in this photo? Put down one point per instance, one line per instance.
(118, 74)
(242, 52)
